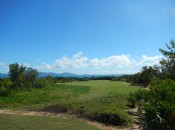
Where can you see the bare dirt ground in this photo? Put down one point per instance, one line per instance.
(132, 112)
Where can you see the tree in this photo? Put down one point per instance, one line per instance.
(168, 63)
(30, 76)
(16, 74)
(146, 75)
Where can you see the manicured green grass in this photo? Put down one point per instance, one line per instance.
(21, 122)
(102, 100)
(103, 87)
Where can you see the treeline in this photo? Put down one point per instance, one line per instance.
(71, 79)
(156, 105)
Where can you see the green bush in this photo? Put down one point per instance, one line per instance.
(132, 99)
(41, 83)
(111, 117)
(1, 84)
(151, 116)
(4, 92)
(158, 105)
(138, 97)
(6, 82)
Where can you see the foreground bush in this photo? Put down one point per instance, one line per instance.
(138, 97)
(157, 105)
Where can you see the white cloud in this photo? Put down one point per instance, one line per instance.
(2, 64)
(145, 60)
(112, 64)
(3, 67)
(48, 66)
(77, 61)
(119, 61)
(44, 66)
(78, 55)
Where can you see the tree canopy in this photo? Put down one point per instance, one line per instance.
(22, 76)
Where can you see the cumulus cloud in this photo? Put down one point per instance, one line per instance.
(3, 67)
(44, 66)
(77, 61)
(115, 61)
(48, 66)
(145, 60)
(115, 64)
(78, 55)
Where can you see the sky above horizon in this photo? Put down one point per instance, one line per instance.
(85, 36)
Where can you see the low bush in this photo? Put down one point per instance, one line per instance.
(158, 105)
(41, 83)
(4, 92)
(115, 117)
(138, 97)
(132, 99)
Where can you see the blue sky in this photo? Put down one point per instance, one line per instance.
(85, 36)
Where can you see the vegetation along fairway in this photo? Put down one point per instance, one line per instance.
(100, 100)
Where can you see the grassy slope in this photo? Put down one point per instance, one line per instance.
(21, 122)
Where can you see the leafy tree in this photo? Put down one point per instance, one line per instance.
(30, 76)
(16, 74)
(146, 74)
(144, 77)
(168, 63)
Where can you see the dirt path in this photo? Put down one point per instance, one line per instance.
(137, 124)
(62, 115)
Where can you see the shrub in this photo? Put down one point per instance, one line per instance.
(1, 84)
(158, 105)
(4, 92)
(6, 82)
(138, 97)
(41, 83)
(111, 118)
(132, 99)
